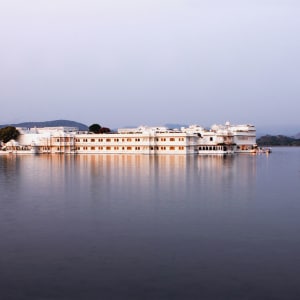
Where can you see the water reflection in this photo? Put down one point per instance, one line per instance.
(149, 227)
(173, 178)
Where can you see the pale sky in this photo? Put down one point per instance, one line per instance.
(150, 62)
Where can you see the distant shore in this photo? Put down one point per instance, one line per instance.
(277, 140)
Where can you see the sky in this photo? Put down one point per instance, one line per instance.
(151, 62)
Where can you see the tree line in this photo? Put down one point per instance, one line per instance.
(277, 140)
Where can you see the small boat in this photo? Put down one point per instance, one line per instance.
(265, 150)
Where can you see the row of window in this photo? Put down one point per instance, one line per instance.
(211, 148)
(63, 139)
(123, 140)
(129, 148)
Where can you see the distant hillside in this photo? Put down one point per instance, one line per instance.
(297, 136)
(277, 140)
(54, 123)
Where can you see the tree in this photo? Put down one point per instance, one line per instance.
(8, 133)
(104, 130)
(95, 128)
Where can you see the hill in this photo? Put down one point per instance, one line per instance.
(277, 140)
(297, 136)
(55, 123)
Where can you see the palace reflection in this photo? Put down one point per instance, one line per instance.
(139, 177)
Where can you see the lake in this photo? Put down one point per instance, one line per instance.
(150, 227)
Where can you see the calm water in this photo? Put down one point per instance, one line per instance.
(140, 227)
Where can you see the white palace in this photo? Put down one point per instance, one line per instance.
(219, 139)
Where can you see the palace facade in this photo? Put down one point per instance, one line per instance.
(219, 139)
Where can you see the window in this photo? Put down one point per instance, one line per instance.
(107, 140)
(172, 148)
(92, 148)
(116, 140)
(129, 140)
(172, 139)
(211, 138)
(129, 148)
(107, 148)
(92, 140)
(243, 138)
